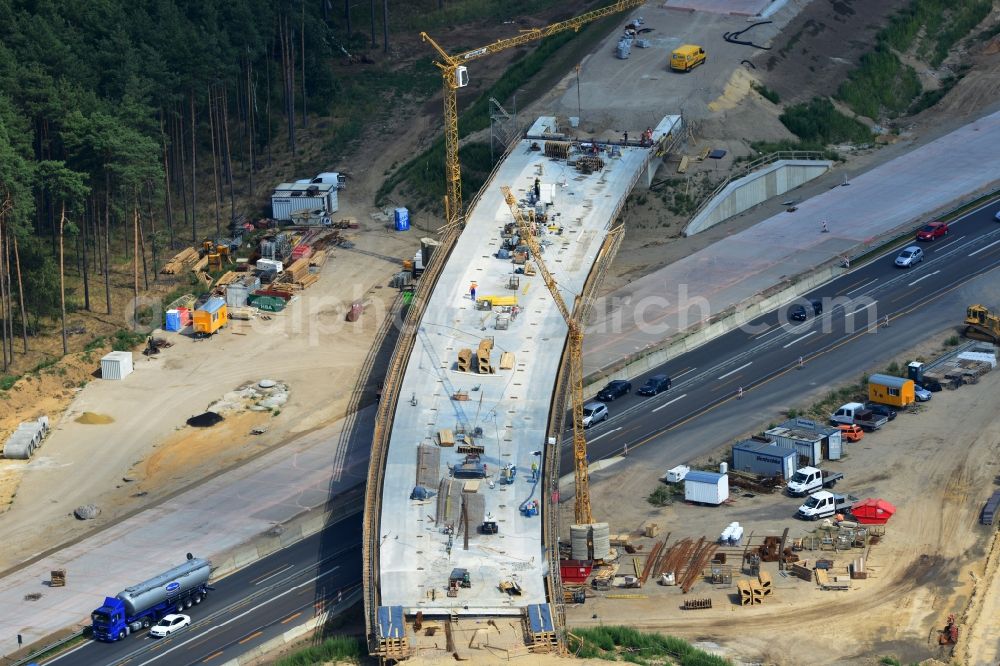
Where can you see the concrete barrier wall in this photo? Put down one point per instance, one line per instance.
(755, 188)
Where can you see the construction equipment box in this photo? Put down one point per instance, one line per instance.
(892, 391)
(210, 317)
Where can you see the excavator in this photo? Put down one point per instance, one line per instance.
(981, 324)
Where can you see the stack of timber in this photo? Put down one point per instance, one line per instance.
(180, 262)
(318, 258)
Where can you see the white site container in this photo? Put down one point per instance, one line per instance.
(706, 487)
(270, 265)
(676, 474)
(116, 365)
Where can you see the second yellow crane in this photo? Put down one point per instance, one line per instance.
(456, 75)
(581, 510)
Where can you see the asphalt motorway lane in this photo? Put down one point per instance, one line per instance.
(763, 357)
(248, 607)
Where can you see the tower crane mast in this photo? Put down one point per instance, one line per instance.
(455, 75)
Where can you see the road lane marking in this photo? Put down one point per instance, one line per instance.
(767, 333)
(603, 434)
(870, 282)
(984, 248)
(799, 339)
(951, 242)
(258, 581)
(861, 309)
(251, 637)
(733, 372)
(290, 618)
(666, 404)
(236, 618)
(684, 372)
(823, 352)
(211, 656)
(924, 277)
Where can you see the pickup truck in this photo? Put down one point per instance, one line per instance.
(823, 504)
(854, 413)
(809, 479)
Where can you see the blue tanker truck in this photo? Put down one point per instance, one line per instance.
(140, 606)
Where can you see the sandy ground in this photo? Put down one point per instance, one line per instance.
(937, 466)
(147, 451)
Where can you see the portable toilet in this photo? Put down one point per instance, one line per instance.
(210, 317)
(402, 219)
(173, 322)
(892, 391)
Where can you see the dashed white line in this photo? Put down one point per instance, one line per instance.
(685, 372)
(984, 248)
(951, 242)
(922, 278)
(767, 333)
(861, 287)
(799, 339)
(733, 372)
(862, 308)
(603, 434)
(666, 404)
(276, 573)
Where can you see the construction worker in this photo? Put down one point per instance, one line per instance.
(800, 362)
(825, 229)
(739, 393)
(538, 189)
(534, 471)
(472, 291)
(625, 142)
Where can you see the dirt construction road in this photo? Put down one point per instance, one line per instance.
(309, 347)
(937, 466)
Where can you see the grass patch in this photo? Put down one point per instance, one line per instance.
(335, 648)
(952, 341)
(618, 643)
(126, 340)
(7, 382)
(766, 92)
(818, 122)
(882, 84)
(664, 495)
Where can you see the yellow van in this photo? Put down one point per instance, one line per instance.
(687, 57)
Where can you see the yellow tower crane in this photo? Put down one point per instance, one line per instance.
(581, 509)
(456, 75)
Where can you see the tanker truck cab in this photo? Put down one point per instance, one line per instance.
(141, 606)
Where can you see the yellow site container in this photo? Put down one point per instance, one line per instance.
(892, 391)
(210, 317)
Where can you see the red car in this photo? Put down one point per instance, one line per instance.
(933, 231)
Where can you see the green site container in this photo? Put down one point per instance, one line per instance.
(266, 303)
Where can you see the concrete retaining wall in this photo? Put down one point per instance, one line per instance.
(755, 188)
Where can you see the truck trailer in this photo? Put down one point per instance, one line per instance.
(140, 606)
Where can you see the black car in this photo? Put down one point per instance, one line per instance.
(799, 313)
(881, 410)
(655, 384)
(931, 385)
(614, 389)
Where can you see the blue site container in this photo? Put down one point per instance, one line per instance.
(173, 321)
(402, 219)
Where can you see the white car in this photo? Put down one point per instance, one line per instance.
(169, 624)
(910, 256)
(593, 413)
(921, 394)
(997, 216)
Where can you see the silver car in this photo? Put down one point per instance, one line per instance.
(911, 256)
(594, 413)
